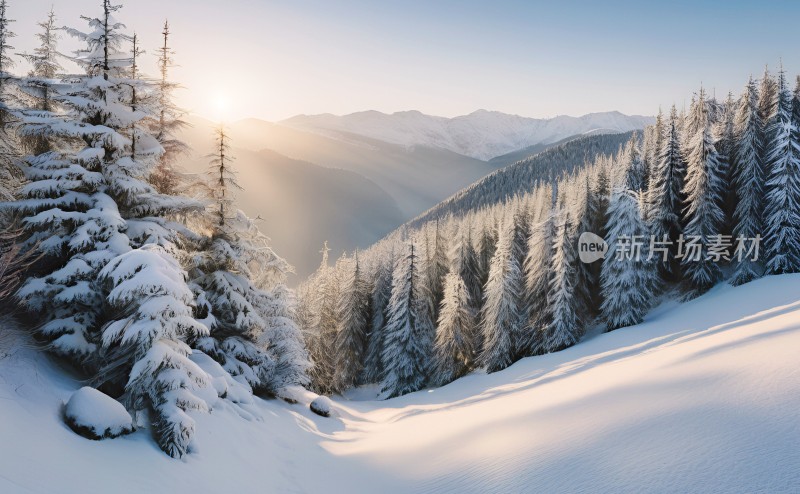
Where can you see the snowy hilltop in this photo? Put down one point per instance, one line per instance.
(482, 134)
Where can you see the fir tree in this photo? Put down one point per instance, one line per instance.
(538, 276)
(6, 62)
(782, 211)
(703, 189)
(565, 327)
(381, 293)
(748, 180)
(625, 280)
(453, 348)
(351, 333)
(500, 315)
(667, 195)
(165, 177)
(409, 332)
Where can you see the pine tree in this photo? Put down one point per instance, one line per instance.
(538, 278)
(703, 190)
(566, 327)
(351, 333)
(748, 179)
(767, 108)
(500, 317)
(6, 62)
(222, 177)
(322, 330)
(38, 88)
(436, 269)
(111, 297)
(587, 277)
(625, 277)
(782, 211)
(409, 332)
(165, 177)
(241, 280)
(453, 348)
(667, 195)
(381, 293)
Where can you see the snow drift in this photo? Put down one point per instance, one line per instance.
(701, 397)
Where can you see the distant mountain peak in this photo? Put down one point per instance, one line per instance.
(482, 134)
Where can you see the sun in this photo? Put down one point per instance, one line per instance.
(221, 104)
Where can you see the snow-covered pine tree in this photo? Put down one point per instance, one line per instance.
(725, 143)
(68, 207)
(38, 85)
(625, 278)
(408, 344)
(454, 352)
(631, 159)
(381, 293)
(245, 307)
(587, 277)
(322, 330)
(436, 268)
(666, 195)
(351, 333)
(165, 177)
(538, 275)
(487, 243)
(566, 326)
(111, 296)
(748, 180)
(782, 201)
(500, 317)
(767, 108)
(705, 173)
(463, 259)
(6, 62)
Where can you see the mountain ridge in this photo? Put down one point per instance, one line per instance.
(482, 134)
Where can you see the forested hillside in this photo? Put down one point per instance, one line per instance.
(495, 273)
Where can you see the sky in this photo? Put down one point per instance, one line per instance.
(273, 59)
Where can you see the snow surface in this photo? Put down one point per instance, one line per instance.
(482, 134)
(701, 397)
(98, 413)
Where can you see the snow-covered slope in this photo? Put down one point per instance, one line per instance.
(702, 397)
(481, 134)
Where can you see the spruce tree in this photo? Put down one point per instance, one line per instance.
(667, 196)
(409, 331)
(351, 333)
(165, 178)
(703, 190)
(538, 279)
(782, 211)
(6, 62)
(565, 327)
(37, 87)
(241, 281)
(454, 351)
(381, 293)
(500, 317)
(625, 273)
(748, 180)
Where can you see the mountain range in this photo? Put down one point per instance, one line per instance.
(352, 179)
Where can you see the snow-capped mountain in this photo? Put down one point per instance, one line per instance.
(482, 134)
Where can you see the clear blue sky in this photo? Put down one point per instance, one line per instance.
(273, 59)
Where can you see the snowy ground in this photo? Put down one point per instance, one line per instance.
(702, 397)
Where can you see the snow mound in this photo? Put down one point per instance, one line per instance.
(95, 415)
(322, 405)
